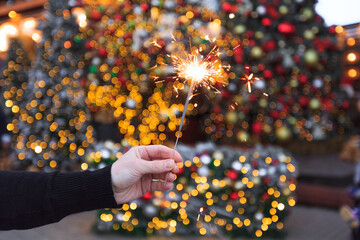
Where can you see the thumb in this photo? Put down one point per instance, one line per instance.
(157, 166)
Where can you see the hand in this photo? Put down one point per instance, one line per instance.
(132, 175)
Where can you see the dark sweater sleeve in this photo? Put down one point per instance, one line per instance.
(32, 199)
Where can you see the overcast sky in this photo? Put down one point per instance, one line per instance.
(339, 12)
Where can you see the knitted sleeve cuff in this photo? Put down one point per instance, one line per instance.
(82, 191)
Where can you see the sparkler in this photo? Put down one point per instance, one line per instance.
(197, 69)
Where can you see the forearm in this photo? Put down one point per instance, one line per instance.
(33, 199)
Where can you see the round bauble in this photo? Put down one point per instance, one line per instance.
(95, 15)
(218, 155)
(311, 57)
(239, 29)
(283, 10)
(150, 211)
(205, 159)
(315, 104)
(306, 14)
(231, 117)
(283, 133)
(96, 61)
(256, 52)
(131, 103)
(236, 165)
(261, 10)
(309, 34)
(318, 83)
(203, 171)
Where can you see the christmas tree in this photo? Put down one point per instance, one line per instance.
(219, 191)
(53, 119)
(13, 83)
(294, 56)
(120, 83)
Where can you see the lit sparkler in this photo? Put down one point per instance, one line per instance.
(198, 70)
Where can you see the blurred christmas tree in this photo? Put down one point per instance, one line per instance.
(13, 83)
(128, 47)
(285, 44)
(219, 191)
(53, 120)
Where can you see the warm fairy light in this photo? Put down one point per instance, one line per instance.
(339, 29)
(38, 149)
(80, 15)
(351, 42)
(352, 73)
(36, 37)
(231, 16)
(29, 24)
(351, 57)
(12, 14)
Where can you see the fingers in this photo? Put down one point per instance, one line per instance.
(170, 176)
(155, 152)
(157, 166)
(160, 186)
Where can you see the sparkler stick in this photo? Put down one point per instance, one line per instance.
(192, 85)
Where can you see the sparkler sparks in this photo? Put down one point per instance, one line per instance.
(249, 80)
(198, 69)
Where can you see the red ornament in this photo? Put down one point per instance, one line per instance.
(346, 104)
(88, 45)
(256, 128)
(102, 52)
(265, 196)
(144, 7)
(266, 180)
(268, 74)
(269, 45)
(226, 7)
(83, 81)
(233, 195)
(255, 163)
(117, 17)
(217, 109)
(303, 101)
(327, 105)
(118, 61)
(303, 79)
(147, 196)
(272, 12)
(193, 169)
(225, 94)
(274, 114)
(286, 28)
(252, 98)
(181, 171)
(266, 22)
(232, 174)
(95, 15)
(275, 162)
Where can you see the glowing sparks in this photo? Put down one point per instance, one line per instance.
(200, 212)
(194, 67)
(249, 80)
(156, 44)
(198, 68)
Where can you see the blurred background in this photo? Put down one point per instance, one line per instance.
(270, 149)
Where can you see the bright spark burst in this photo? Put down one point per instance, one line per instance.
(199, 69)
(249, 80)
